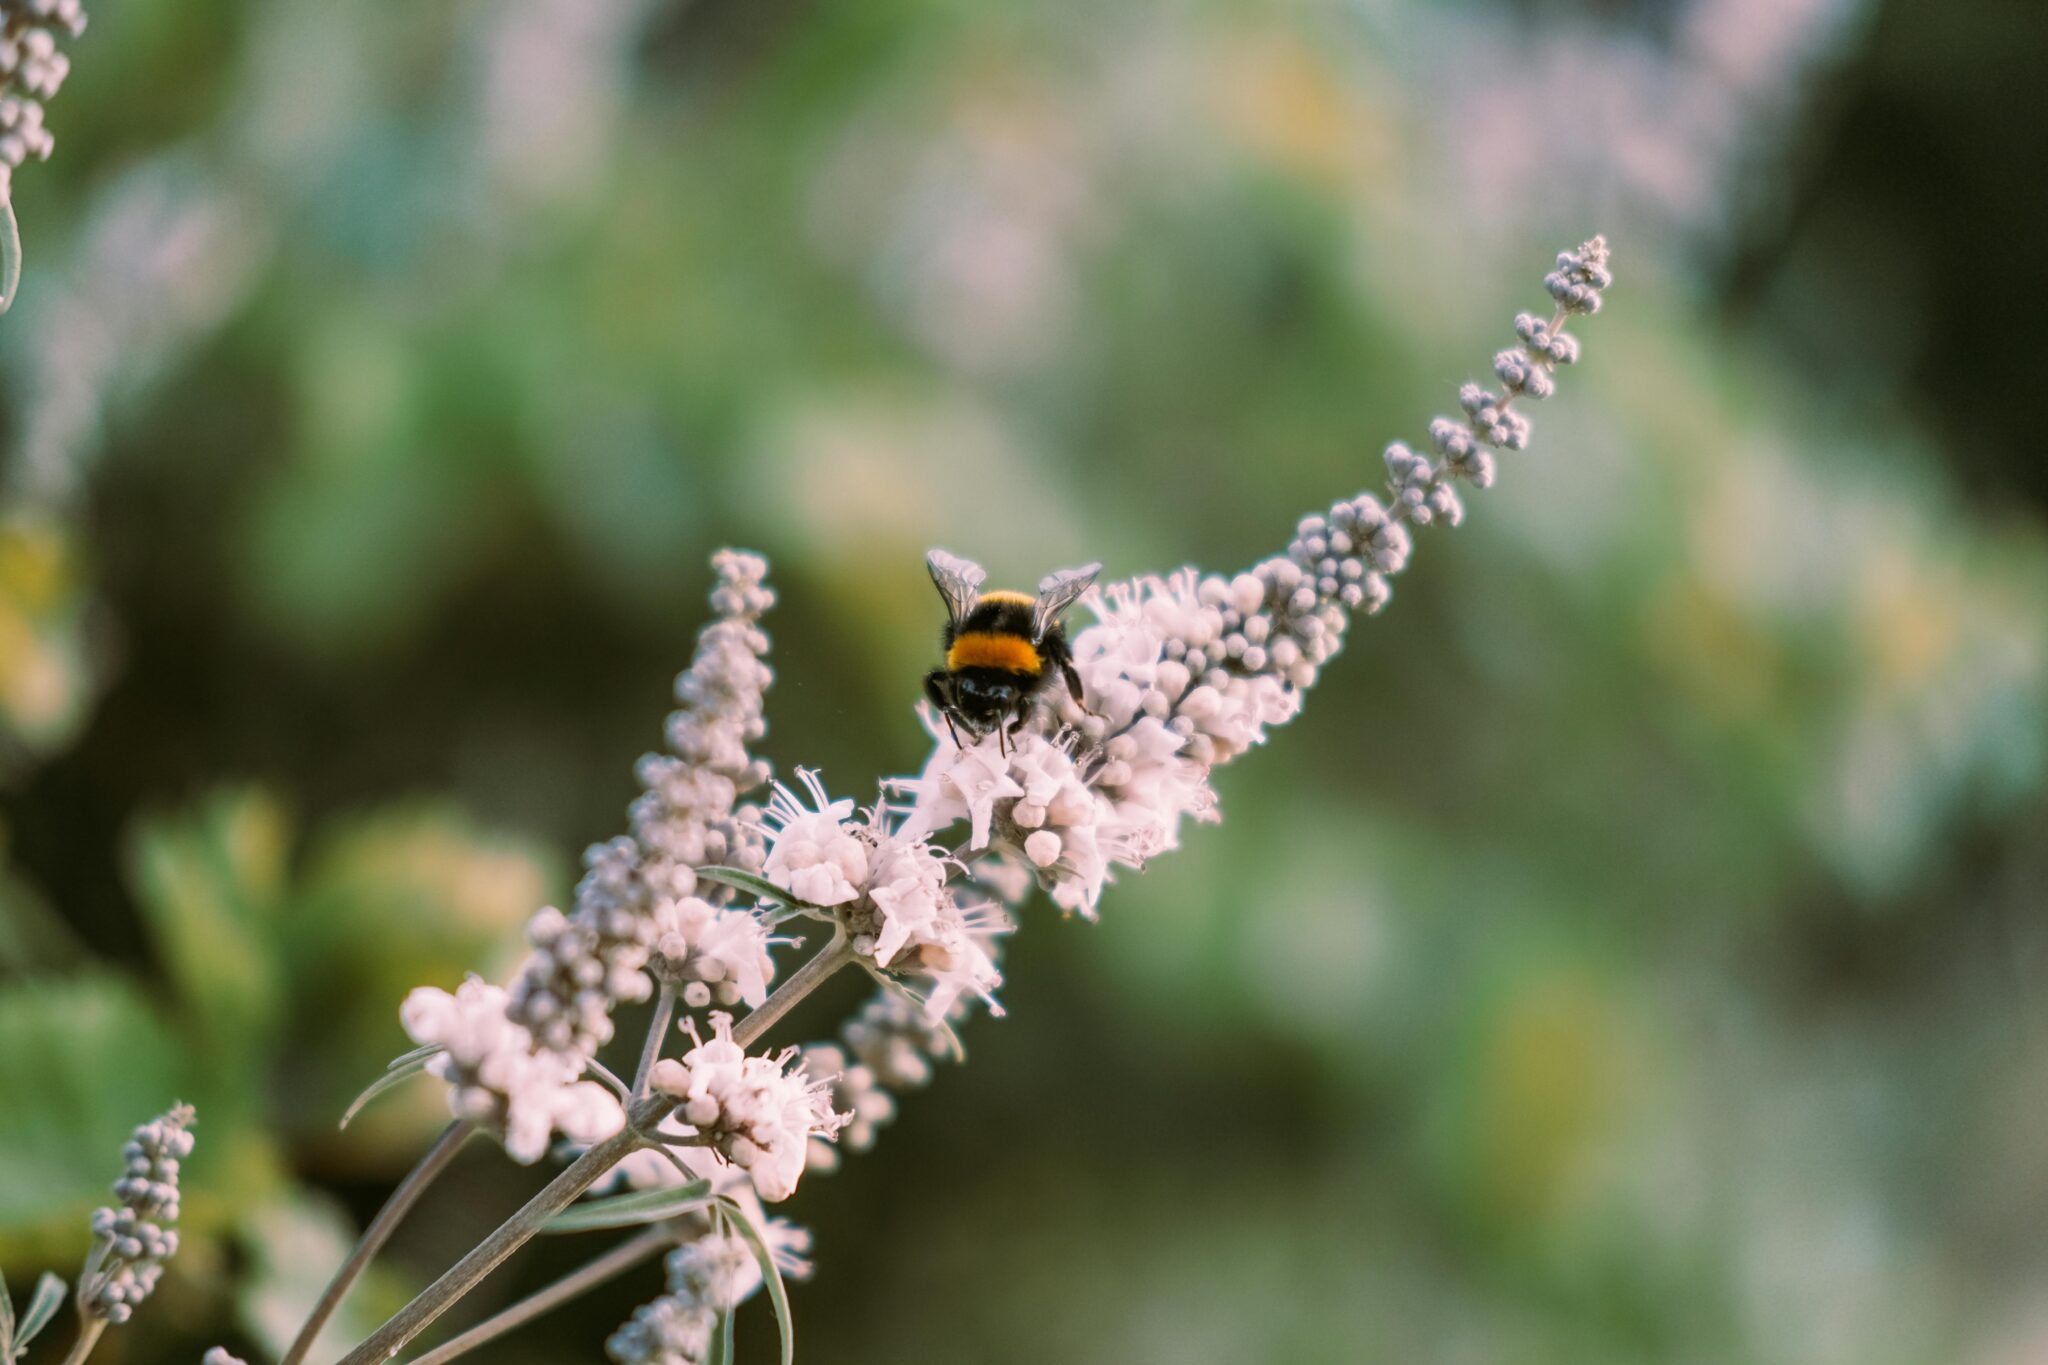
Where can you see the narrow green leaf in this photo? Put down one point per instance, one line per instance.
(6, 1321)
(630, 1210)
(954, 1047)
(42, 1306)
(723, 1339)
(10, 253)
(753, 884)
(423, 1051)
(771, 1275)
(403, 1069)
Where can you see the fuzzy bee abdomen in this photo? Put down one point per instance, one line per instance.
(987, 649)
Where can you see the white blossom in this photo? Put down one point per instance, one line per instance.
(499, 1080)
(715, 953)
(908, 922)
(1027, 796)
(892, 893)
(219, 1355)
(759, 1112)
(813, 851)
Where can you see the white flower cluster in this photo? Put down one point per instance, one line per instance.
(584, 965)
(515, 1058)
(888, 1046)
(498, 1080)
(219, 1355)
(707, 1278)
(760, 1113)
(890, 889)
(31, 71)
(813, 852)
(1581, 277)
(132, 1241)
(714, 953)
(690, 815)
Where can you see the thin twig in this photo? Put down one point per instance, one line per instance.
(89, 1329)
(609, 1080)
(657, 1033)
(620, 1259)
(379, 1232)
(387, 1341)
(801, 983)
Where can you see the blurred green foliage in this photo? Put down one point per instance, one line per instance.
(1629, 955)
(271, 1008)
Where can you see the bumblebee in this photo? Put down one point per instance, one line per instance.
(1002, 648)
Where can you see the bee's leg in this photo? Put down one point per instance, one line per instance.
(939, 691)
(1072, 676)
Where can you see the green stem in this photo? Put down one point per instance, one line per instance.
(620, 1259)
(89, 1329)
(657, 1033)
(834, 955)
(378, 1233)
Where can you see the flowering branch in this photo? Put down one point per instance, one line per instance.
(515, 1232)
(132, 1240)
(1179, 675)
(643, 1118)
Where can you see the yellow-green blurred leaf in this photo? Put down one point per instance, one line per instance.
(210, 884)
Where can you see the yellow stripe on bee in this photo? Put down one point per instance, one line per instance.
(1022, 599)
(980, 649)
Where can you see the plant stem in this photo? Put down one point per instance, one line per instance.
(612, 1264)
(834, 955)
(378, 1233)
(657, 1032)
(387, 1341)
(89, 1329)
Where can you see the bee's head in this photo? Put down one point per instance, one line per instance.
(984, 700)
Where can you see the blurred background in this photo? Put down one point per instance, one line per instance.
(1634, 953)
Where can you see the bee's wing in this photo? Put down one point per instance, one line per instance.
(958, 581)
(1056, 592)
